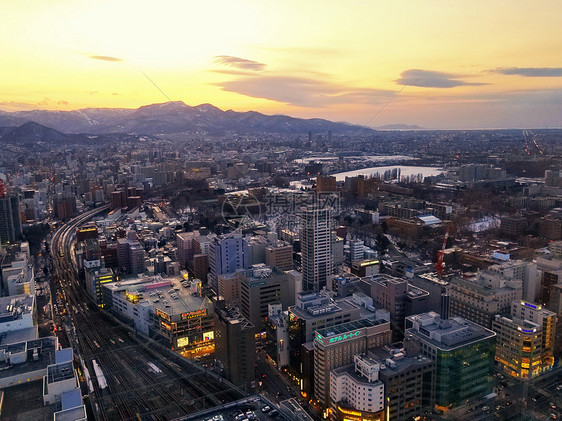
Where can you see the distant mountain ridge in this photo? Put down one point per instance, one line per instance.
(173, 117)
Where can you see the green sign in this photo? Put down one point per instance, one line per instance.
(338, 338)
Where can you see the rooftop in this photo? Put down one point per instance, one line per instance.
(14, 306)
(165, 294)
(446, 334)
(45, 356)
(401, 363)
(348, 327)
(60, 372)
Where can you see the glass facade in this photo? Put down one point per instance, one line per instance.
(464, 373)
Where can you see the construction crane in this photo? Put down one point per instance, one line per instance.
(441, 254)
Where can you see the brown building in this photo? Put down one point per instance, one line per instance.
(335, 347)
(200, 266)
(325, 183)
(279, 256)
(551, 228)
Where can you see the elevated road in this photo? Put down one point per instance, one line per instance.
(141, 381)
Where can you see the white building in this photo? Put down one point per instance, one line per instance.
(357, 386)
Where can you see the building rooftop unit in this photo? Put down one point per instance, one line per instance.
(23, 357)
(15, 306)
(315, 305)
(394, 361)
(416, 292)
(446, 334)
(60, 372)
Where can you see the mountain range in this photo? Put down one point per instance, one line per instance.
(169, 118)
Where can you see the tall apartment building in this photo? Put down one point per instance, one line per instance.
(463, 353)
(525, 341)
(336, 346)
(356, 250)
(130, 256)
(316, 246)
(226, 255)
(520, 271)
(64, 205)
(10, 222)
(356, 391)
(235, 345)
(185, 248)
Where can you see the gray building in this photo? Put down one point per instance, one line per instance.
(260, 286)
(316, 247)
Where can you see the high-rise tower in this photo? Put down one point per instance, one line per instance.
(316, 247)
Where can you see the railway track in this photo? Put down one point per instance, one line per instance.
(133, 391)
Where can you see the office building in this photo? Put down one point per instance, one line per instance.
(130, 256)
(314, 311)
(10, 221)
(260, 286)
(95, 277)
(64, 205)
(336, 347)
(325, 183)
(407, 381)
(17, 314)
(279, 256)
(550, 274)
(525, 341)
(483, 296)
(463, 353)
(398, 297)
(356, 392)
(235, 345)
(356, 250)
(316, 240)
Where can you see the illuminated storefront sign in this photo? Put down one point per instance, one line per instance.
(165, 316)
(209, 336)
(183, 342)
(534, 307)
(192, 314)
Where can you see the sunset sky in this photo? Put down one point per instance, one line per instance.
(433, 63)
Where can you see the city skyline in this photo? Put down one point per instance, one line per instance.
(443, 65)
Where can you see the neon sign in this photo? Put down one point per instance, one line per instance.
(192, 314)
(338, 338)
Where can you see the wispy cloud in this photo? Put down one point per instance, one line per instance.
(106, 58)
(529, 71)
(240, 63)
(432, 79)
(302, 92)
